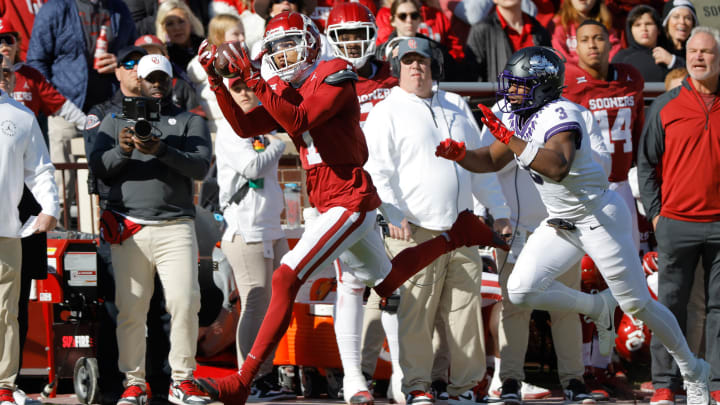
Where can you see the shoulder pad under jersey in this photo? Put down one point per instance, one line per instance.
(341, 76)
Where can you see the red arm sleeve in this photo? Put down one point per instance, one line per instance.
(324, 103)
(256, 122)
(50, 99)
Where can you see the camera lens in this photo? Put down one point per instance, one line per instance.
(143, 129)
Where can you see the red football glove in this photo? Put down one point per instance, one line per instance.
(239, 62)
(496, 127)
(206, 56)
(451, 150)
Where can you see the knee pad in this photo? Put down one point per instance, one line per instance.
(522, 298)
(350, 288)
(518, 298)
(634, 305)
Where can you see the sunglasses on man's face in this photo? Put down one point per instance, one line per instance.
(129, 64)
(403, 16)
(282, 1)
(8, 39)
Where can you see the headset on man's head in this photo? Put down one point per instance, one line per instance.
(436, 60)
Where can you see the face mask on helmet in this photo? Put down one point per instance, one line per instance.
(356, 44)
(532, 78)
(290, 51)
(351, 32)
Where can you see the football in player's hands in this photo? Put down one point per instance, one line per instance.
(225, 52)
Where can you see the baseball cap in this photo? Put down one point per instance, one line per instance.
(6, 27)
(127, 51)
(148, 40)
(417, 45)
(152, 63)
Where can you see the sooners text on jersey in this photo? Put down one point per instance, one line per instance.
(618, 109)
(371, 91)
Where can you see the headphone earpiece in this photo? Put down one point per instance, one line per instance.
(436, 64)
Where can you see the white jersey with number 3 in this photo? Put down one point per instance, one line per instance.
(573, 197)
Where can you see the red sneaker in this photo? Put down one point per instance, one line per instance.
(228, 390)
(716, 396)
(663, 396)
(469, 230)
(133, 395)
(362, 398)
(6, 397)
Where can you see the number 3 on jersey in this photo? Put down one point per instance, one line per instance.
(620, 131)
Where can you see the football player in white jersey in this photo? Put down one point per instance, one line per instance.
(548, 136)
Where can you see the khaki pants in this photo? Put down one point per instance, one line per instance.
(515, 327)
(172, 249)
(60, 133)
(450, 286)
(10, 261)
(253, 278)
(373, 334)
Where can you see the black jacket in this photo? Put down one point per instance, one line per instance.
(153, 187)
(641, 57)
(488, 48)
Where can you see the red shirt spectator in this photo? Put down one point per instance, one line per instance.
(434, 25)
(518, 40)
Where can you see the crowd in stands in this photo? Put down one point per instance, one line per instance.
(74, 60)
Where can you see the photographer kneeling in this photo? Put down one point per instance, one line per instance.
(149, 220)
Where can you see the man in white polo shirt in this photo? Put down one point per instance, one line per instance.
(24, 159)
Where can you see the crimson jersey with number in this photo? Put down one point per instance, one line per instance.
(372, 90)
(35, 92)
(618, 108)
(323, 121)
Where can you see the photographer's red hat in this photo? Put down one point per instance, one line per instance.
(6, 27)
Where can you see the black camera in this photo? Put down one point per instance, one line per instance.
(142, 111)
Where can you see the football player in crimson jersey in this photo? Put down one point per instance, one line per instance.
(614, 94)
(352, 32)
(315, 102)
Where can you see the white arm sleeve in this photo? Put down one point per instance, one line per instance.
(71, 113)
(382, 164)
(39, 173)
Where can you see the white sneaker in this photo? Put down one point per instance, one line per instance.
(605, 323)
(529, 391)
(21, 398)
(697, 389)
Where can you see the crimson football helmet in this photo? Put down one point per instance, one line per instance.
(650, 262)
(290, 33)
(633, 340)
(592, 281)
(357, 17)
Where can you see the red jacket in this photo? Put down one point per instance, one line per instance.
(683, 137)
